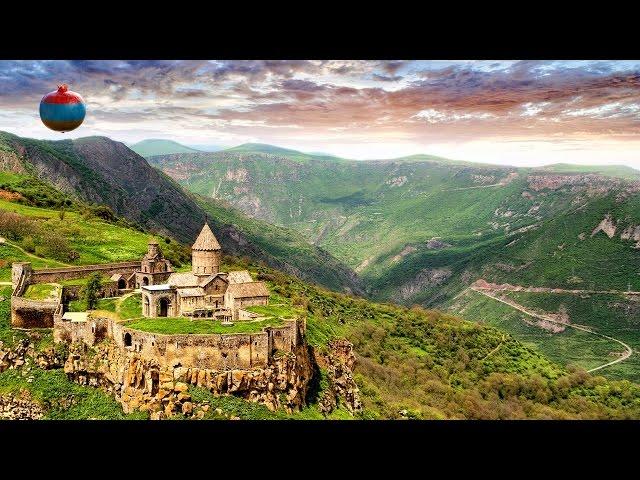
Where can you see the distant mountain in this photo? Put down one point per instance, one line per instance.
(620, 171)
(322, 154)
(417, 228)
(154, 146)
(101, 171)
(263, 148)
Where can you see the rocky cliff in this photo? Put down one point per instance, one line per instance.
(13, 408)
(142, 384)
(24, 355)
(339, 361)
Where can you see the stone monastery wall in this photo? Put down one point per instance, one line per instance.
(46, 275)
(28, 313)
(214, 351)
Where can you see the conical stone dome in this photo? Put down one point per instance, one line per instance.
(206, 240)
(206, 253)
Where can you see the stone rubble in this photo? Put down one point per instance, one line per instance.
(12, 408)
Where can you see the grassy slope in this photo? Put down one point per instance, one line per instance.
(285, 246)
(367, 213)
(570, 347)
(612, 315)
(95, 240)
(351, 208)
(10, 254)
(433, 365)
(437, 366)
(277, 246)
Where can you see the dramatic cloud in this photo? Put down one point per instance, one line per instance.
(519, 112)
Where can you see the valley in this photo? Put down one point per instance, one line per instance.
(421, 230)
(97, 177)
(563, 244)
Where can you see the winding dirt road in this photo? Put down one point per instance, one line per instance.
(628, 350)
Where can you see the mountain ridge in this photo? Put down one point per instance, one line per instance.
(105, 172)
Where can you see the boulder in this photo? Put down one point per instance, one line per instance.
(180, 387)
(187, 408)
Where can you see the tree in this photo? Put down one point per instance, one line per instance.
(90, 291)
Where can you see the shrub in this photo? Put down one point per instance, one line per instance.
(89, 292)
(53, 245)
(15, 226)
(29, 244)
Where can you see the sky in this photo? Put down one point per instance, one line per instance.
(524, 113)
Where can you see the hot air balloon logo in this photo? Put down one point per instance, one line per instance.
(62, 110)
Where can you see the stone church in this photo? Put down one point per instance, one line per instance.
(205, 292)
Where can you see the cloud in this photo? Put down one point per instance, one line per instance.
(387, 78)
(346, 100)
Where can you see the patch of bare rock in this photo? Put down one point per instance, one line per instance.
(145, 385)
(339, 362)
(19, 408)
(436, 244)
(427, 277)
(607, 226)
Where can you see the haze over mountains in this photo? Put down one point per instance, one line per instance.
(155, 146)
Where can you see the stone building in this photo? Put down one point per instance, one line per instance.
(205, 292)
(154, 268)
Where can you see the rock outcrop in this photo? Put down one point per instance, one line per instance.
(632, 232)
(143, 384)
(16, 356)
(427, 277)
(15, 408)
(437, 244)
(607, 226)
(10, 162)
(339, 362)
(24, 353)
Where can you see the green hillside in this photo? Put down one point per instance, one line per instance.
(263, 148)
(420, 230)
(425, 364)
(398, 223)
(110, 181)
(614, 315)
(155, 146)
(289, 251)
